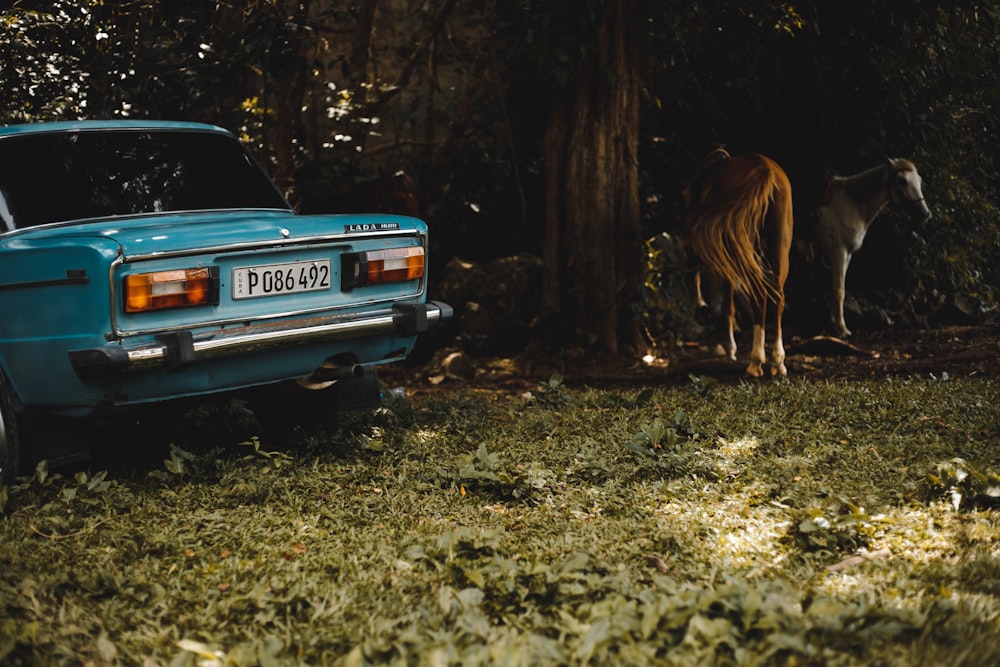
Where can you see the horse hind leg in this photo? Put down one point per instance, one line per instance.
(730, 342)
(781, 226)
(778, 347)
(839, 261)
(699, 298)
(757, 357)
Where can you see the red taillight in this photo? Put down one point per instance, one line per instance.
(394, 265)
(178, 288)
(378, 267)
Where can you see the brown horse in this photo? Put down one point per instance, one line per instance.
(739, 225)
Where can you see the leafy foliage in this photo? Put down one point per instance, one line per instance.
(459, 95)
(823, 89)
(964, 485)
(852, 530)
(663, 526)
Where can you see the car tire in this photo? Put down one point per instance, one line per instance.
(10, 444)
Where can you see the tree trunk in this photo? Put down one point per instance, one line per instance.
(362, 59)
(289, 68)
(592, 237)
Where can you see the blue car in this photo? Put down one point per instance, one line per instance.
(145, 262)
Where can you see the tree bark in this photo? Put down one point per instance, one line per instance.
(362, 59)
(592, 240)
(289, 68)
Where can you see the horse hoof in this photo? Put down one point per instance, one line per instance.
(779, 370)
(754, 370)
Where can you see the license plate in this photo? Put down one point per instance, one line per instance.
(276, 279)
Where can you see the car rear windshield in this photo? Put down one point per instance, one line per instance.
(60, 176)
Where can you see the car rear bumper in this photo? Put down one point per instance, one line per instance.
(180, 349)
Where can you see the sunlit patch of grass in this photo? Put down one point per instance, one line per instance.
(735, 448)
(760, 523)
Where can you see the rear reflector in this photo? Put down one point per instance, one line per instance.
(179, 288)
(377, 267)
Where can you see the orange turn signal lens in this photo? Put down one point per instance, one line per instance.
(394, 265)
(179, 288)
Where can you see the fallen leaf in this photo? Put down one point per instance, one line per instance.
(858, 560)
(658, 563)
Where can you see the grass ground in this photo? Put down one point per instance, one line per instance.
(785, 523)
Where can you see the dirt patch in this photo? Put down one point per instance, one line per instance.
(955, 351)
(949, 352)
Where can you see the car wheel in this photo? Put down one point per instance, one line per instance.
(9, 440)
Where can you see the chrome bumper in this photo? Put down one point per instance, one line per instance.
(179, 349)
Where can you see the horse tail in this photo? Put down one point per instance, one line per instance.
(725, 234)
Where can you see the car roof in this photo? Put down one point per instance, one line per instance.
(78, 125)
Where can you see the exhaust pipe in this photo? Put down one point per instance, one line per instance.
(328, 373)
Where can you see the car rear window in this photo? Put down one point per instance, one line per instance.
(60, 176)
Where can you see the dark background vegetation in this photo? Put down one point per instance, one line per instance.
(563, 129)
